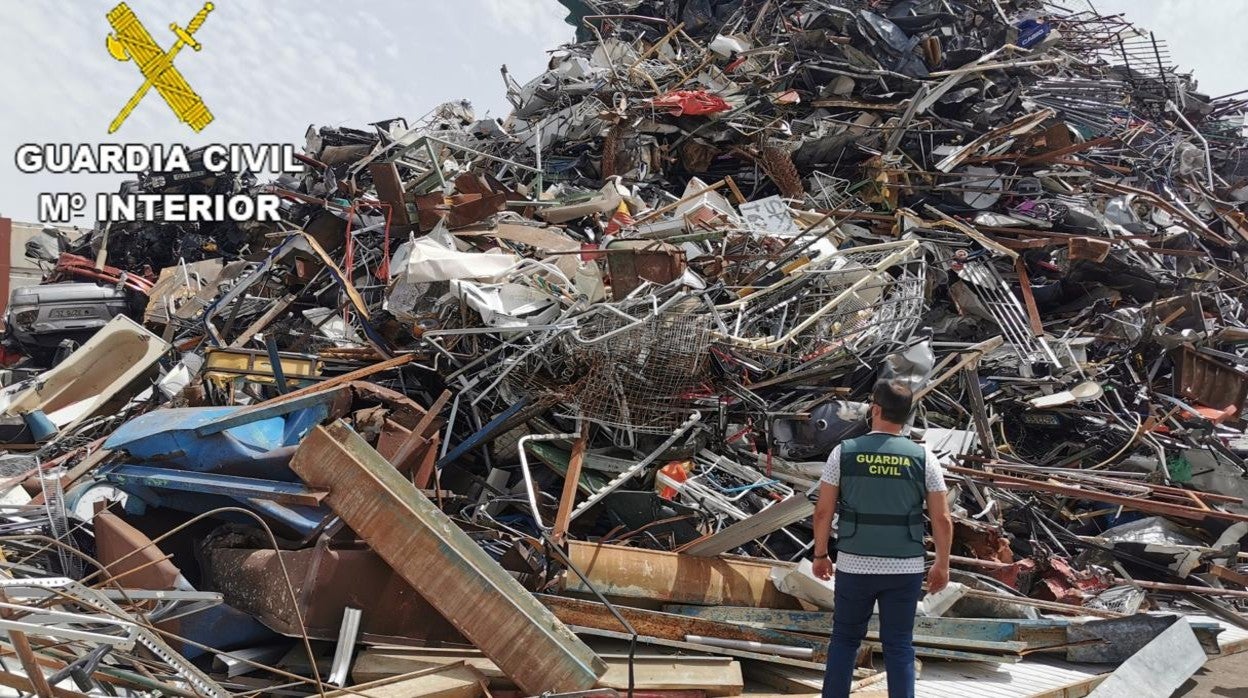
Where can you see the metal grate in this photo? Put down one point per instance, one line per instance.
(1008, 312)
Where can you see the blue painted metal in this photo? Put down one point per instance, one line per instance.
(41, 428)
(275, 361)
(247, 415)
(222, 627)
(485, 433)
(219, 439)
(303, 521)
(124, 476)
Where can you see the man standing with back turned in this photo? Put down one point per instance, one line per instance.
(878, 483)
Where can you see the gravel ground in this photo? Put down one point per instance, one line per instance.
(1220, 678)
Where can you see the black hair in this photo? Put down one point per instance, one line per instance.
(895, 399)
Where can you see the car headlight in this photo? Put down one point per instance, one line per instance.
(26, 317)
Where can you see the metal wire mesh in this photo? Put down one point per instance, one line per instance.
(829, 192)
(639, 378)
(866, 302)
(633, 371)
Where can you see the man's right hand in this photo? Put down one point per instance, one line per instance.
(823, 568)
(937, 577)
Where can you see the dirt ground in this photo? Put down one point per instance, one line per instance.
(1220, 678)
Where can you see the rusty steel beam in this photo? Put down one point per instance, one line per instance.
(1145, 505)
(674, 626)
(441, 562)
(674, 578)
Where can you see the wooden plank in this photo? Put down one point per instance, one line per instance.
(1229, 575)
(452, 681)
(410, 454)
(84, 466)
(358, 374)
(718, 676)
(694, 647)
(951, 631)
(443, 564)
(263, 321)
(791, 680)
(379, 663)
(572, 478)
(1029, 298)
(674, 578)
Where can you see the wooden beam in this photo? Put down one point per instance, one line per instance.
(673, 626)
(571, 479)
(449, 681)
(410, 453)
(1029, 298)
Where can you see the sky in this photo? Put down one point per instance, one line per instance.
(267, 70)
(270, 69)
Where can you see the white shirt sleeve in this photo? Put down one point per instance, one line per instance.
(934, 475)
(832, 469)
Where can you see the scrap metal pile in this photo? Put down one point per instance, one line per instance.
(538, 404)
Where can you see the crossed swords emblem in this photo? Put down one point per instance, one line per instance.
(130, 40)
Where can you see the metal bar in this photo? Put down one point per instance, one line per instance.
(528, 475)
(348, 632)
(631, 472)
(275, 362)
(571, 481)
(213, 483)
(773, 518)
(483, 434)
(444, 565)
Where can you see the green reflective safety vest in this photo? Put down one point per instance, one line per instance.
(882, 491)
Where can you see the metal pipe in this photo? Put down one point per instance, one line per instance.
(751, 646)
(528, 475)
(628, 474)
(1208, 160)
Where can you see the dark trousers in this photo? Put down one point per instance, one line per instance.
(856, 595)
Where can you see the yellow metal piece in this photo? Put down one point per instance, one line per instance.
(130, 40)
(224, 365)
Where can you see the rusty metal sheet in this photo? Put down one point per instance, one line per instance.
(1209, 381)
(466, 210)
(441, 562)
(129, 556)
(390, 190)
(631, 262)
(674, 578)
(325, 581)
